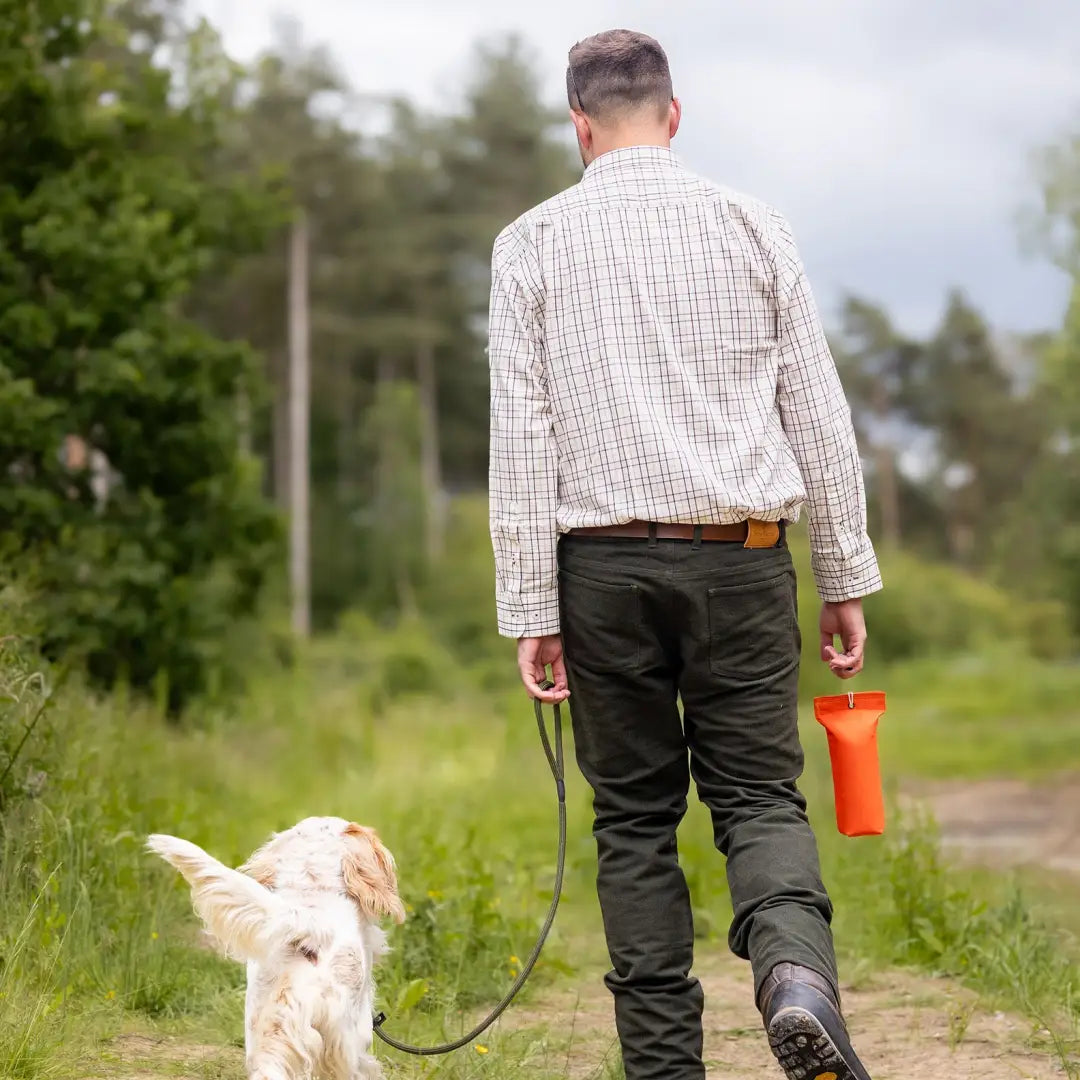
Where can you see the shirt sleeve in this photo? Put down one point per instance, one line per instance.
(523, 461)
(816, 418)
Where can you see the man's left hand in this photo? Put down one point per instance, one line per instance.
(534, 655)
(844, 621)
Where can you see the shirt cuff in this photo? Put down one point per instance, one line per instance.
(841, 578)
(535, 615)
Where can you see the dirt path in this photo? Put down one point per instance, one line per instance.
(1009, 822)
(906, 1028)
(154, 1057)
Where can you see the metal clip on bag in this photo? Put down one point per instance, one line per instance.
(851, 721)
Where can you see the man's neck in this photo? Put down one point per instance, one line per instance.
(624, 139)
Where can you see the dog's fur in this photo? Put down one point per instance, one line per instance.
(303, 914)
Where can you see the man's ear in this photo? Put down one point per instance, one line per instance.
(674, 117)
(583, 128)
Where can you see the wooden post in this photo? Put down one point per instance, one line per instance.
(430, 464)
(885, 472)
(299, 392)
(279, 367)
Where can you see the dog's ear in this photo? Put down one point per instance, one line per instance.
(261, 866)
(370, 877)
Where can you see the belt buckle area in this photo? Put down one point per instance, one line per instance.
(761, 534)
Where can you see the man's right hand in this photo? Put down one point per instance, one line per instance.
(534, 655)
(844, 621)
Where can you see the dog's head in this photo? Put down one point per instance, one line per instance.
(331, 852)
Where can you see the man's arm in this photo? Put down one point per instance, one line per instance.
(817, 421)
(523, 464)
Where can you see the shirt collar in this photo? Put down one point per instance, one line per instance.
(634, 160)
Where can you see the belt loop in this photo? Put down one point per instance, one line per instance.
(782, 539)
(652, 534)
(699, 531)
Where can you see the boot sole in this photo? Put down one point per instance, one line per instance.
(812, 1047)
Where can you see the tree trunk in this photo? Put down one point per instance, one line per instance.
(279, 368)
(386, 371)
(430, 463)
(888, 487)
(888, 492)
(243, 422)
(299, 416)
(346, 441)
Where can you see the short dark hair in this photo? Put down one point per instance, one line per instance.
(617, 71)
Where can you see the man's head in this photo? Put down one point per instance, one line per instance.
(619, 87)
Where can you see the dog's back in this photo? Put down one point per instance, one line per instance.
(315, 1009)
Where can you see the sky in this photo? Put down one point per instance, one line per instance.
(897, 136)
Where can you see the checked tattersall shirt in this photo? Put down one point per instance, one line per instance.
(656, 355)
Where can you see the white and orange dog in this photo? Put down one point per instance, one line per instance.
(303, 913)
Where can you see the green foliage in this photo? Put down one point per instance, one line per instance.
(927, 609)
(108, 938)
(401, 231)
(940, 922)
(1040, 543)
(968, 410)
(1057, 226)
(126, 501)
(24, 748)
(107, 934)
(934, 609)
(993, 714)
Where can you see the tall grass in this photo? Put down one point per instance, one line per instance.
(982, 932)
(419, 730)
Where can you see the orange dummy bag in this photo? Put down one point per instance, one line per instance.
(851, 721)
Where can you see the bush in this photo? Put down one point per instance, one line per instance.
(932, 609)
(125, 503)
(938, 922)
(926, 609)
(929, 608)
(394, 658)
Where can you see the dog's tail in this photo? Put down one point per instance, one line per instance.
(247, 920)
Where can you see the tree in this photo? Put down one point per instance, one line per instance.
(112, 203)
(505, 151)
(875, 364)
(291, 127)
(986, 428)
(1055, 226)
(1039, 544)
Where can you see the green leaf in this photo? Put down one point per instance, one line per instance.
(411, 995)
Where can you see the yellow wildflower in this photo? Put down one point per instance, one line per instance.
(481, 1049)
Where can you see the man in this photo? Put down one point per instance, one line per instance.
(663, 402)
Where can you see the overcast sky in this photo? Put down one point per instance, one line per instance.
(896, 135)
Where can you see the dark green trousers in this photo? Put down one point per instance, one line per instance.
(646, 624)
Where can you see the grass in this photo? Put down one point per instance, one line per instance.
(990, 714)
(435, 745)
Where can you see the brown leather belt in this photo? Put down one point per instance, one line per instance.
(751, 534)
